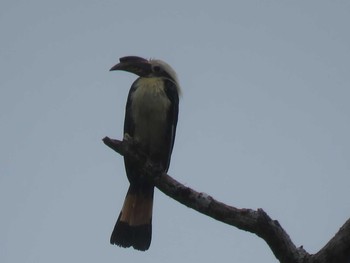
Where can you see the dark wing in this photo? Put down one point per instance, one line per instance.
(129, 128)
(173, 95)
(129, 125)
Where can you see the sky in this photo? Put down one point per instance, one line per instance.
(264, 122)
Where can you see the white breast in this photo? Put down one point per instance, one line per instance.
(149, 108)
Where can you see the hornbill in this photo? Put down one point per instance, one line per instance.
(150, 120)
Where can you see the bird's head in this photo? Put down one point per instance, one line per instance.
(146, 68)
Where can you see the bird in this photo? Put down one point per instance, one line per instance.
(151, 117)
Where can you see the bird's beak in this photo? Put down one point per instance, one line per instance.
(133, 64)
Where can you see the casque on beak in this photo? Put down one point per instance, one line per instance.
(134, 64)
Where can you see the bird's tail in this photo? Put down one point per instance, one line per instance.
(134, 224)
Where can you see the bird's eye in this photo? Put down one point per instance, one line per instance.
(156, 69)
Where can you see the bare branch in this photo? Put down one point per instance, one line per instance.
(337, 249)
(257, 222)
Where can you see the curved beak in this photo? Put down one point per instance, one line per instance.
(134, 64)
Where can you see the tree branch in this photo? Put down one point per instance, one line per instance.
(258, 222)
(338, 248)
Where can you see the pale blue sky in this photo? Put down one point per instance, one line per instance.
(264, 123)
